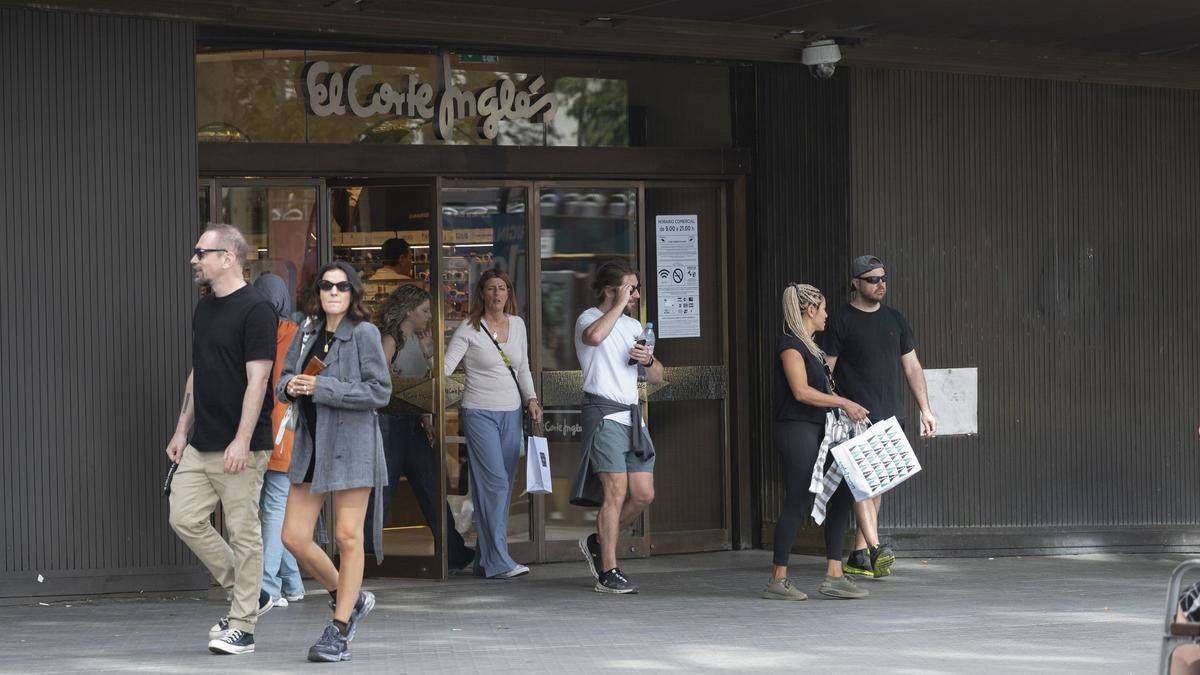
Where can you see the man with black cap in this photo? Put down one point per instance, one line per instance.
(867, 345)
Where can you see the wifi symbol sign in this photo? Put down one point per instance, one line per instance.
(664, 274)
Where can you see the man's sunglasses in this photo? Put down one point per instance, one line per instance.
(343, 286)
(199, 252)
(874, 280)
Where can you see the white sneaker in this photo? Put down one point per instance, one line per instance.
(233, 642)
(518, 571)
(281, 602)
(294, 598)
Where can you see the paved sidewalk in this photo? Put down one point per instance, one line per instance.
(696, 613)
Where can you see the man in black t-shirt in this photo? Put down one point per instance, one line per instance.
(867, 346)
(227, 408)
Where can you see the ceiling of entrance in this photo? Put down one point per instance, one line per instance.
(1146, 27)
(1118, 27)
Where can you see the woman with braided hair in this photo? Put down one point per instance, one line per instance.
(802, 396)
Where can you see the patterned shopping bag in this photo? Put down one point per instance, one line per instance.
(876, 460)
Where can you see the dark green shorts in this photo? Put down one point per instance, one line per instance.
(612, 450)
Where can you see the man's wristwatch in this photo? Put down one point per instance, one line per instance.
(649, 363)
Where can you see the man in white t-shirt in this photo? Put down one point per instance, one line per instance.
(617, 450)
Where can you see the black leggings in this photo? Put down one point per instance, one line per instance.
(798, 443)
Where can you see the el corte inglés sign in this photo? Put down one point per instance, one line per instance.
(333, 93)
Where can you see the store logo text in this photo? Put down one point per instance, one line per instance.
(333, 93)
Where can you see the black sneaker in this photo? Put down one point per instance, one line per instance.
(264, 603)
(613, 581)
(218, 629)
(332, 647)
(882, 557)
(589, 546)
(859, 564)
(232, 642)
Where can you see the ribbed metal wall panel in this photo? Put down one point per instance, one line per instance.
(98, 178)
(799, 225)
(1042, 232)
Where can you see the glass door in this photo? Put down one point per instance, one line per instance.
(580, 225)
(279, 219)
(385, 229)
(484, 226)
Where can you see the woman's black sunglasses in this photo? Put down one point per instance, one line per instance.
(343, 286)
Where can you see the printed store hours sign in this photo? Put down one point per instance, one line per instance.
(677, 240)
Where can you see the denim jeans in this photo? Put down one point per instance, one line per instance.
(281, 575)
(408, 453)
(494, 443)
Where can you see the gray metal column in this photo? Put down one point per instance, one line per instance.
(98, 208)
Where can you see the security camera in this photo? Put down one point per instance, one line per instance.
(821, 57)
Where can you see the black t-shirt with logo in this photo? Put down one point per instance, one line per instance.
(787, 408)
(227, 333)
(868, 347)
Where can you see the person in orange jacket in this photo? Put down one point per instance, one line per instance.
(281, 575)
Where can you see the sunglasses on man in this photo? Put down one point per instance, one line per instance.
(326, 285)
(199, 252)
(873, 279)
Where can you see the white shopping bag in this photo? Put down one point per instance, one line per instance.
(876, 460)
(537, 467)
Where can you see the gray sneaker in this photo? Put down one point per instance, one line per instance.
(782, 589)
(841, 587)
(331, 647)
(366, 603)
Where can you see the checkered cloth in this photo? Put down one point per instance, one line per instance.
(838, 429)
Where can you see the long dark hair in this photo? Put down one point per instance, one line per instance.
(312, 299)
(475, 315)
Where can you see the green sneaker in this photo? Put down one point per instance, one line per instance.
(782, 589)
(842, 588)
(882, 557)
(859, 564)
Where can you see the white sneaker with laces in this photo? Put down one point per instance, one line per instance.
(518, 571)
(234, 641)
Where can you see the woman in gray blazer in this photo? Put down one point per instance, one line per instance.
(337, 445)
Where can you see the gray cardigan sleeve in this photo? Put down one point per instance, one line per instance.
(375, 386)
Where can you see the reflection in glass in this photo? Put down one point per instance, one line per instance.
(205, 208)
(279, 224)
(260, 96)
(580, 229)
(483, 228)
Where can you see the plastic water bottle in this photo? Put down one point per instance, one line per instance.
(646, 338)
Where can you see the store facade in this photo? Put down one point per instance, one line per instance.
(320, 155)
(1025, 200)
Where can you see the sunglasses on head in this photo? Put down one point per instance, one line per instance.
(326, 285)
(873, 280)
(199, 252)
